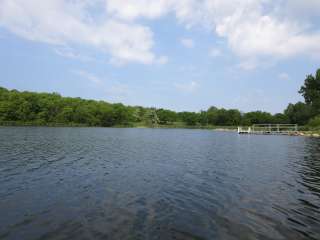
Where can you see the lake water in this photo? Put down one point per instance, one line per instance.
(98, 183)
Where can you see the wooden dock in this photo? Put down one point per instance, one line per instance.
(270, 129)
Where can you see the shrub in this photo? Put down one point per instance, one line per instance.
(315, 122)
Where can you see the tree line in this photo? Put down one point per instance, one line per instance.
(53, 109)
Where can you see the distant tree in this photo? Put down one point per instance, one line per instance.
(299, 113)
(257, 117)
(223, 117)
(166, 116)
(212, 115)
(281, 118)
(121, 115)
(106, 116)
(140, 113)
(66, 115)
(151, 117)
(233, 117)
(203, 118)
(189, 118)
(311, 91)
(46, 108)
(315, 122)
(5, 110)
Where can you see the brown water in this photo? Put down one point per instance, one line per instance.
(96, 183)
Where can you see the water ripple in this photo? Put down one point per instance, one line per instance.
(95, 183)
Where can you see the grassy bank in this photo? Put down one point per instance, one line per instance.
(303, 130)
(39, 124)
(309, 131)
(128, 125)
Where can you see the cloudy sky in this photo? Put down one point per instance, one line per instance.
(176, 54)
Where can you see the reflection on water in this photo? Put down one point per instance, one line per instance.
(95, 183)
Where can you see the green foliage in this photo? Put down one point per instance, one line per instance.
(299, 113)
(166, 116)
(311, 91)
(53, 109)
(151, 117)
(47, 109)
(257, 117)
(280, 118)
(203, 118)
(223, 117)
(190, 118)
(315, 122)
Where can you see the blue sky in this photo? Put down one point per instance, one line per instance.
(176, 54)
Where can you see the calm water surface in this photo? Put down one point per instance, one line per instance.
(95, 183)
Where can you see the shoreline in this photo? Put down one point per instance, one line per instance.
(314, 134)
(129, 125)
(233, 129)
(302, 133)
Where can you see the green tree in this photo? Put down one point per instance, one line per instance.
(121, 114)
(66, 115)
(311, 91)
(233, 117)
(203, 118)
(299, 113)
(257, 117)
(151, 117)
(281, 118)
(166, 116)
(315, 122)
(189, 118)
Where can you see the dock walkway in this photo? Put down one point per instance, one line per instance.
(270, 129)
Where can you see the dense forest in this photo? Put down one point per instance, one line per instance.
(29, 108)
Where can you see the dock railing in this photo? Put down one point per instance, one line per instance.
(284, 129)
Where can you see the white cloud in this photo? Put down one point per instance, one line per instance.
(163, 60)
(62, 22)
(89, 76)
(265, 36)
(248, 64)
(187, 42)
(188, 87)
(253, 29)
(72, 54)
(131, 9)
(284, 76)
(215, 52)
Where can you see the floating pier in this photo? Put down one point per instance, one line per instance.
(270, 129)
